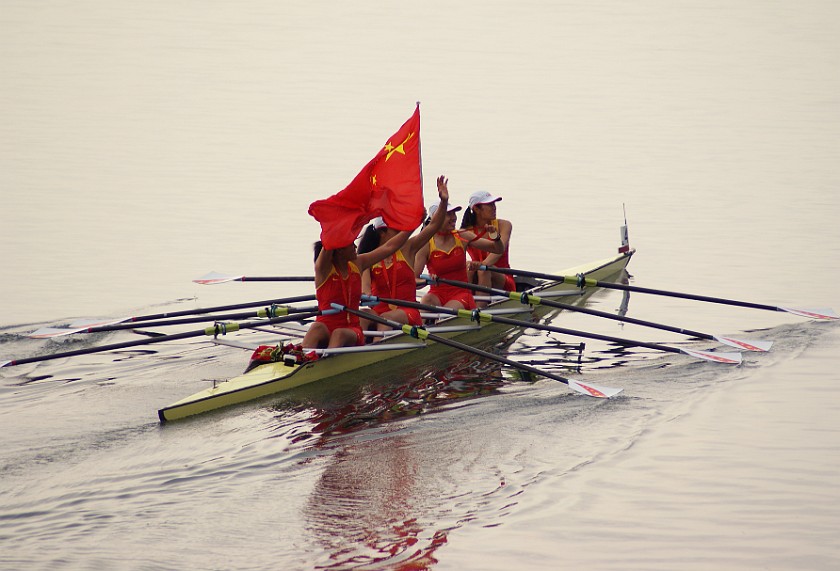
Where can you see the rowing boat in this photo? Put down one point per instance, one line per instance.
(390, 354)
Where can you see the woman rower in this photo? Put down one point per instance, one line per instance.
(480, 215)
(338, 280)
(445, 256)
(394, 276)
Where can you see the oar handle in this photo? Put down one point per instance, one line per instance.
(414, 304)
(464, 285)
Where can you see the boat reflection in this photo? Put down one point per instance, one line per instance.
(364, 509)
(409, 394)
(367, 509)
(373, 507)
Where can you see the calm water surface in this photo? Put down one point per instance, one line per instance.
(145, 145)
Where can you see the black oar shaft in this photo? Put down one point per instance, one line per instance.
(586, 334)
(625, 319)
(423, 334)
(277, 279)
(533, 325)
(720, 300)
(234, 306)
(558, 305)
(186, 320)
(625, 287)
(110, 347)
(216, 330)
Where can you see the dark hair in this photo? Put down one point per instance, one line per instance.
(317, 247)
(370, 239)
(468, 220)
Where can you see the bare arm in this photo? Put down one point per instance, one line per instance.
(421, 259)
(366, 282)
(494, 246)
(323, 266)
(364, 261)
(505, 229)
(415, 243)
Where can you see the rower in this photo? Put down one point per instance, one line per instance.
(481, 214)
(394, 276)
(338, 280)
(445, 255)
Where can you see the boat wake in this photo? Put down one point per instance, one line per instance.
(379, 476)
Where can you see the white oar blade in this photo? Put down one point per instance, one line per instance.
(593, 390)
(91, 322)
(48, 332)
(214, 278)
(75, 327)
(813, 313)
(725, 358)
(4, 363)
(745, 344)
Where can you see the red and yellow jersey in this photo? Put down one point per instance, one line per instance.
(450, 264)
(480, 255)
(345, 291)
(395, 280)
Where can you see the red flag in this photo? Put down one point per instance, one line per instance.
(390, 186)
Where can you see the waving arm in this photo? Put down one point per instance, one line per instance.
(436, 223)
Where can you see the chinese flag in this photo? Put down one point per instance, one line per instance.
(390, 186)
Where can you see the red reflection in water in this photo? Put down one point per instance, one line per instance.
(367, 507)
(467, 379)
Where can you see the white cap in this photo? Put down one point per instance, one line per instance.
(482, 197)
(433, 208)
(377, 223)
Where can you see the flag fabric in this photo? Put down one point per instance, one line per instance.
(390, 186)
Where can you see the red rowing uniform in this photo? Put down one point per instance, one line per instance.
(503, 262)
(451, 265)
(396, 282)
(346, 291)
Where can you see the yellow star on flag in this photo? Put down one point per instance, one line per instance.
(398, 149)
(391, 189)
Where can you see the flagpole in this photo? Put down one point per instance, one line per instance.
(420, 152)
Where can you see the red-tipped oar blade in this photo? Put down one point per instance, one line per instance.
(745, 344)
(593, 390)
(813, 313)
(216, 278)
(97, 322)
(725, 358)
(49, 332)
(75, 327)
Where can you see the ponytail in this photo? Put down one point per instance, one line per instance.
(468, 220)
(370, 240)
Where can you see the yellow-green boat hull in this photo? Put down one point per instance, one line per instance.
(272, 378)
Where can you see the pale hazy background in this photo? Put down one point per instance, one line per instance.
(145, 144)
